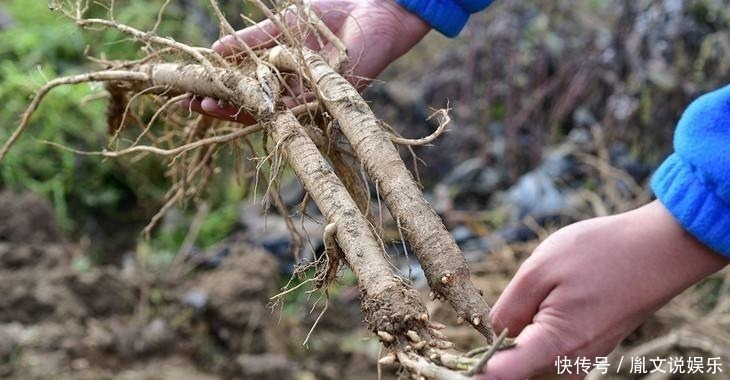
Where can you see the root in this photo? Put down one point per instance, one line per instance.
(180, 149)
(326, 166)
(316, 321)
(170, 102)
(196, 53)
(422, 367)
(445, 121)
(333, 254)
(101, 76)
(391, 306)
(347, 173)
(442, 260)
(386, 299)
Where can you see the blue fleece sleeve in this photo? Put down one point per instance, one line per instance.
(694, 182)
(446, 16)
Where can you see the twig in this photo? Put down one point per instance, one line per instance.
(159, 15)
(165, 152)
(169, 42)
(319, 317)
(482, 363)
(430, 138)
(168, 103)
(100, 76)
(192, 235)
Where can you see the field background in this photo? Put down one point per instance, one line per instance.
(561, 111)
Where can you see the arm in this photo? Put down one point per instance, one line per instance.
(590, 284)
(694, 182)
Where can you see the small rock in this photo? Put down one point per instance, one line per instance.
(196, 299)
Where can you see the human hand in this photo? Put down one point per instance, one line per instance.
(590, 284)
(375, 32)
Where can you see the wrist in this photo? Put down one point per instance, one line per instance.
(413, 27)
(678, 258)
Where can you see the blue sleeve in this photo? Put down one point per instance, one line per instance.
(694, 182)
(446, 16)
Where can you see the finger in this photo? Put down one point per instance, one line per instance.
(368, 57)
(521, 300)
(261, 35)
(302, 98)
(192, 104)
(535, 353)
(215, 108)
(266, 33)
(211, 107)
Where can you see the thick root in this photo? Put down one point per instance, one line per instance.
(442, 260)
(387, 301)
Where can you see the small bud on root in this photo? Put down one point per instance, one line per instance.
(387, 359)
(413, 336)
(386, 337)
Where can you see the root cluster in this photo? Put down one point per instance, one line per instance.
(326, 143)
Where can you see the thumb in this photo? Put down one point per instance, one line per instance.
(536, 351)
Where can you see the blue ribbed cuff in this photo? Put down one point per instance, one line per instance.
(695, 205)
(446, 16)
(473, 6)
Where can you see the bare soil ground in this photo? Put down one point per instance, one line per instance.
(61, 321)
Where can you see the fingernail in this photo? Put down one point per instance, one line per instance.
(216, 46)
(209, 105)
